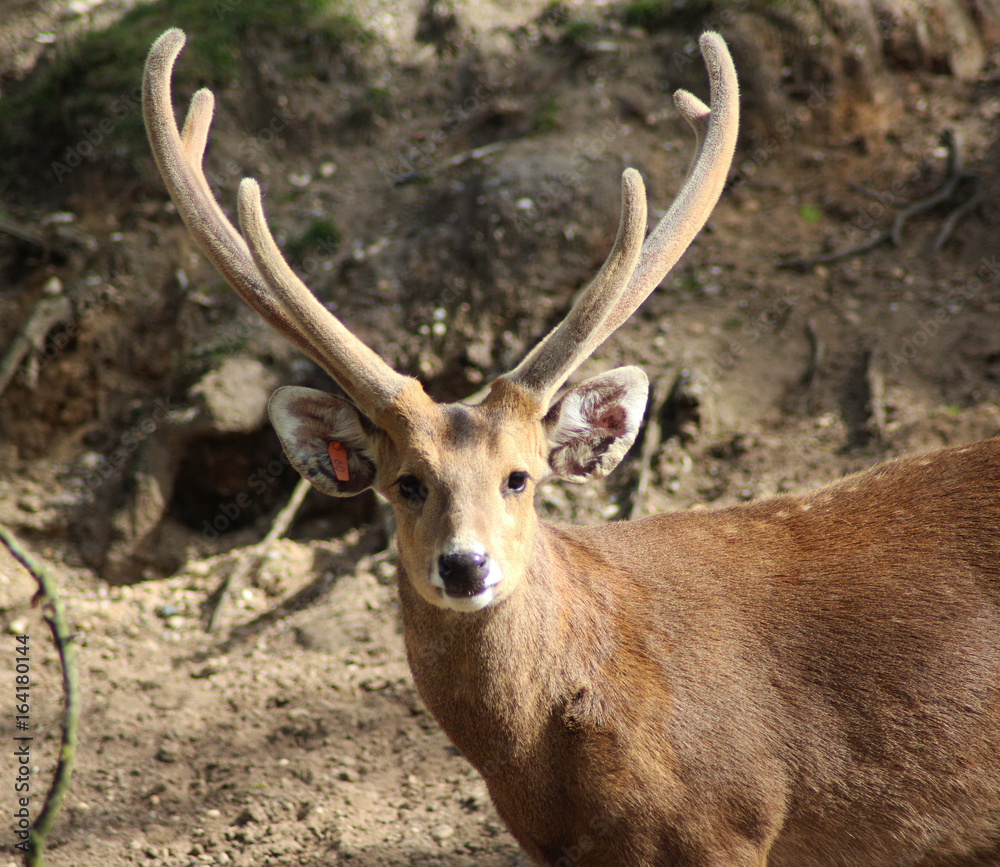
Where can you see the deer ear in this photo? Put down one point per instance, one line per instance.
(326, 438)
(592, 425)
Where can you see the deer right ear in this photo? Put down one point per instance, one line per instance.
(593, 424)
(326, 438)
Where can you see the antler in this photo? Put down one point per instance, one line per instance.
(629, 275)
(257, 271)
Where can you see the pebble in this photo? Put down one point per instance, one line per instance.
(440, 833)
(385, 572)
(252, 813)
(477, 798)
(81, 7)
(168, 753)
(91, 461)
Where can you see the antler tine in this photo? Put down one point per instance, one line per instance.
(548, 365)
(716, 132)
(324, 332)
(257, 272)
(610, 300)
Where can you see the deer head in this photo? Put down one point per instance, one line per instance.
(460, 477)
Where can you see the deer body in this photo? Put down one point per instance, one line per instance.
(783, 677)
(808, 681)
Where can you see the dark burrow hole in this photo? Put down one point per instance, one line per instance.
(226, 483)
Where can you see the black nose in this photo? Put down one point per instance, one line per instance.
(464, 573)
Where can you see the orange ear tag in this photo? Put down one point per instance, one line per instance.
(339, 459)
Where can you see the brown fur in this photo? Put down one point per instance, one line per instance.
(805, 681)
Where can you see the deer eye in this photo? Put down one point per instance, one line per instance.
(516, 482)
(412, 489)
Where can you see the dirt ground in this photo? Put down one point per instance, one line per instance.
(294, 734)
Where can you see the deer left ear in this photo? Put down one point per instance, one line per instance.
(592, 425)
(327, 439)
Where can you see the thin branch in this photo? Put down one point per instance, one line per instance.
(249, 560)
(955, 174)
(22, 233)
(942, 194)
(817, 349)
(52, 611)
(956, 216)
(48, 313)
(887, 199)
(877, 239)
(474, 154)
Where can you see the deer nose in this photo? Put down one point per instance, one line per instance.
(464, 572)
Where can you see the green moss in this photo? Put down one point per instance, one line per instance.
(691, 14)
(554, 12)
(658, 14)
(571, 30)
(810, 213)
(579, 30)
(321, 238)
(363, 112)
(546, 116)
(688, 282)
(83, 104)
(380, 99)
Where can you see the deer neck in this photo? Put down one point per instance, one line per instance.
(493, 678)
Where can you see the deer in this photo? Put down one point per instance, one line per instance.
(808, 680)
